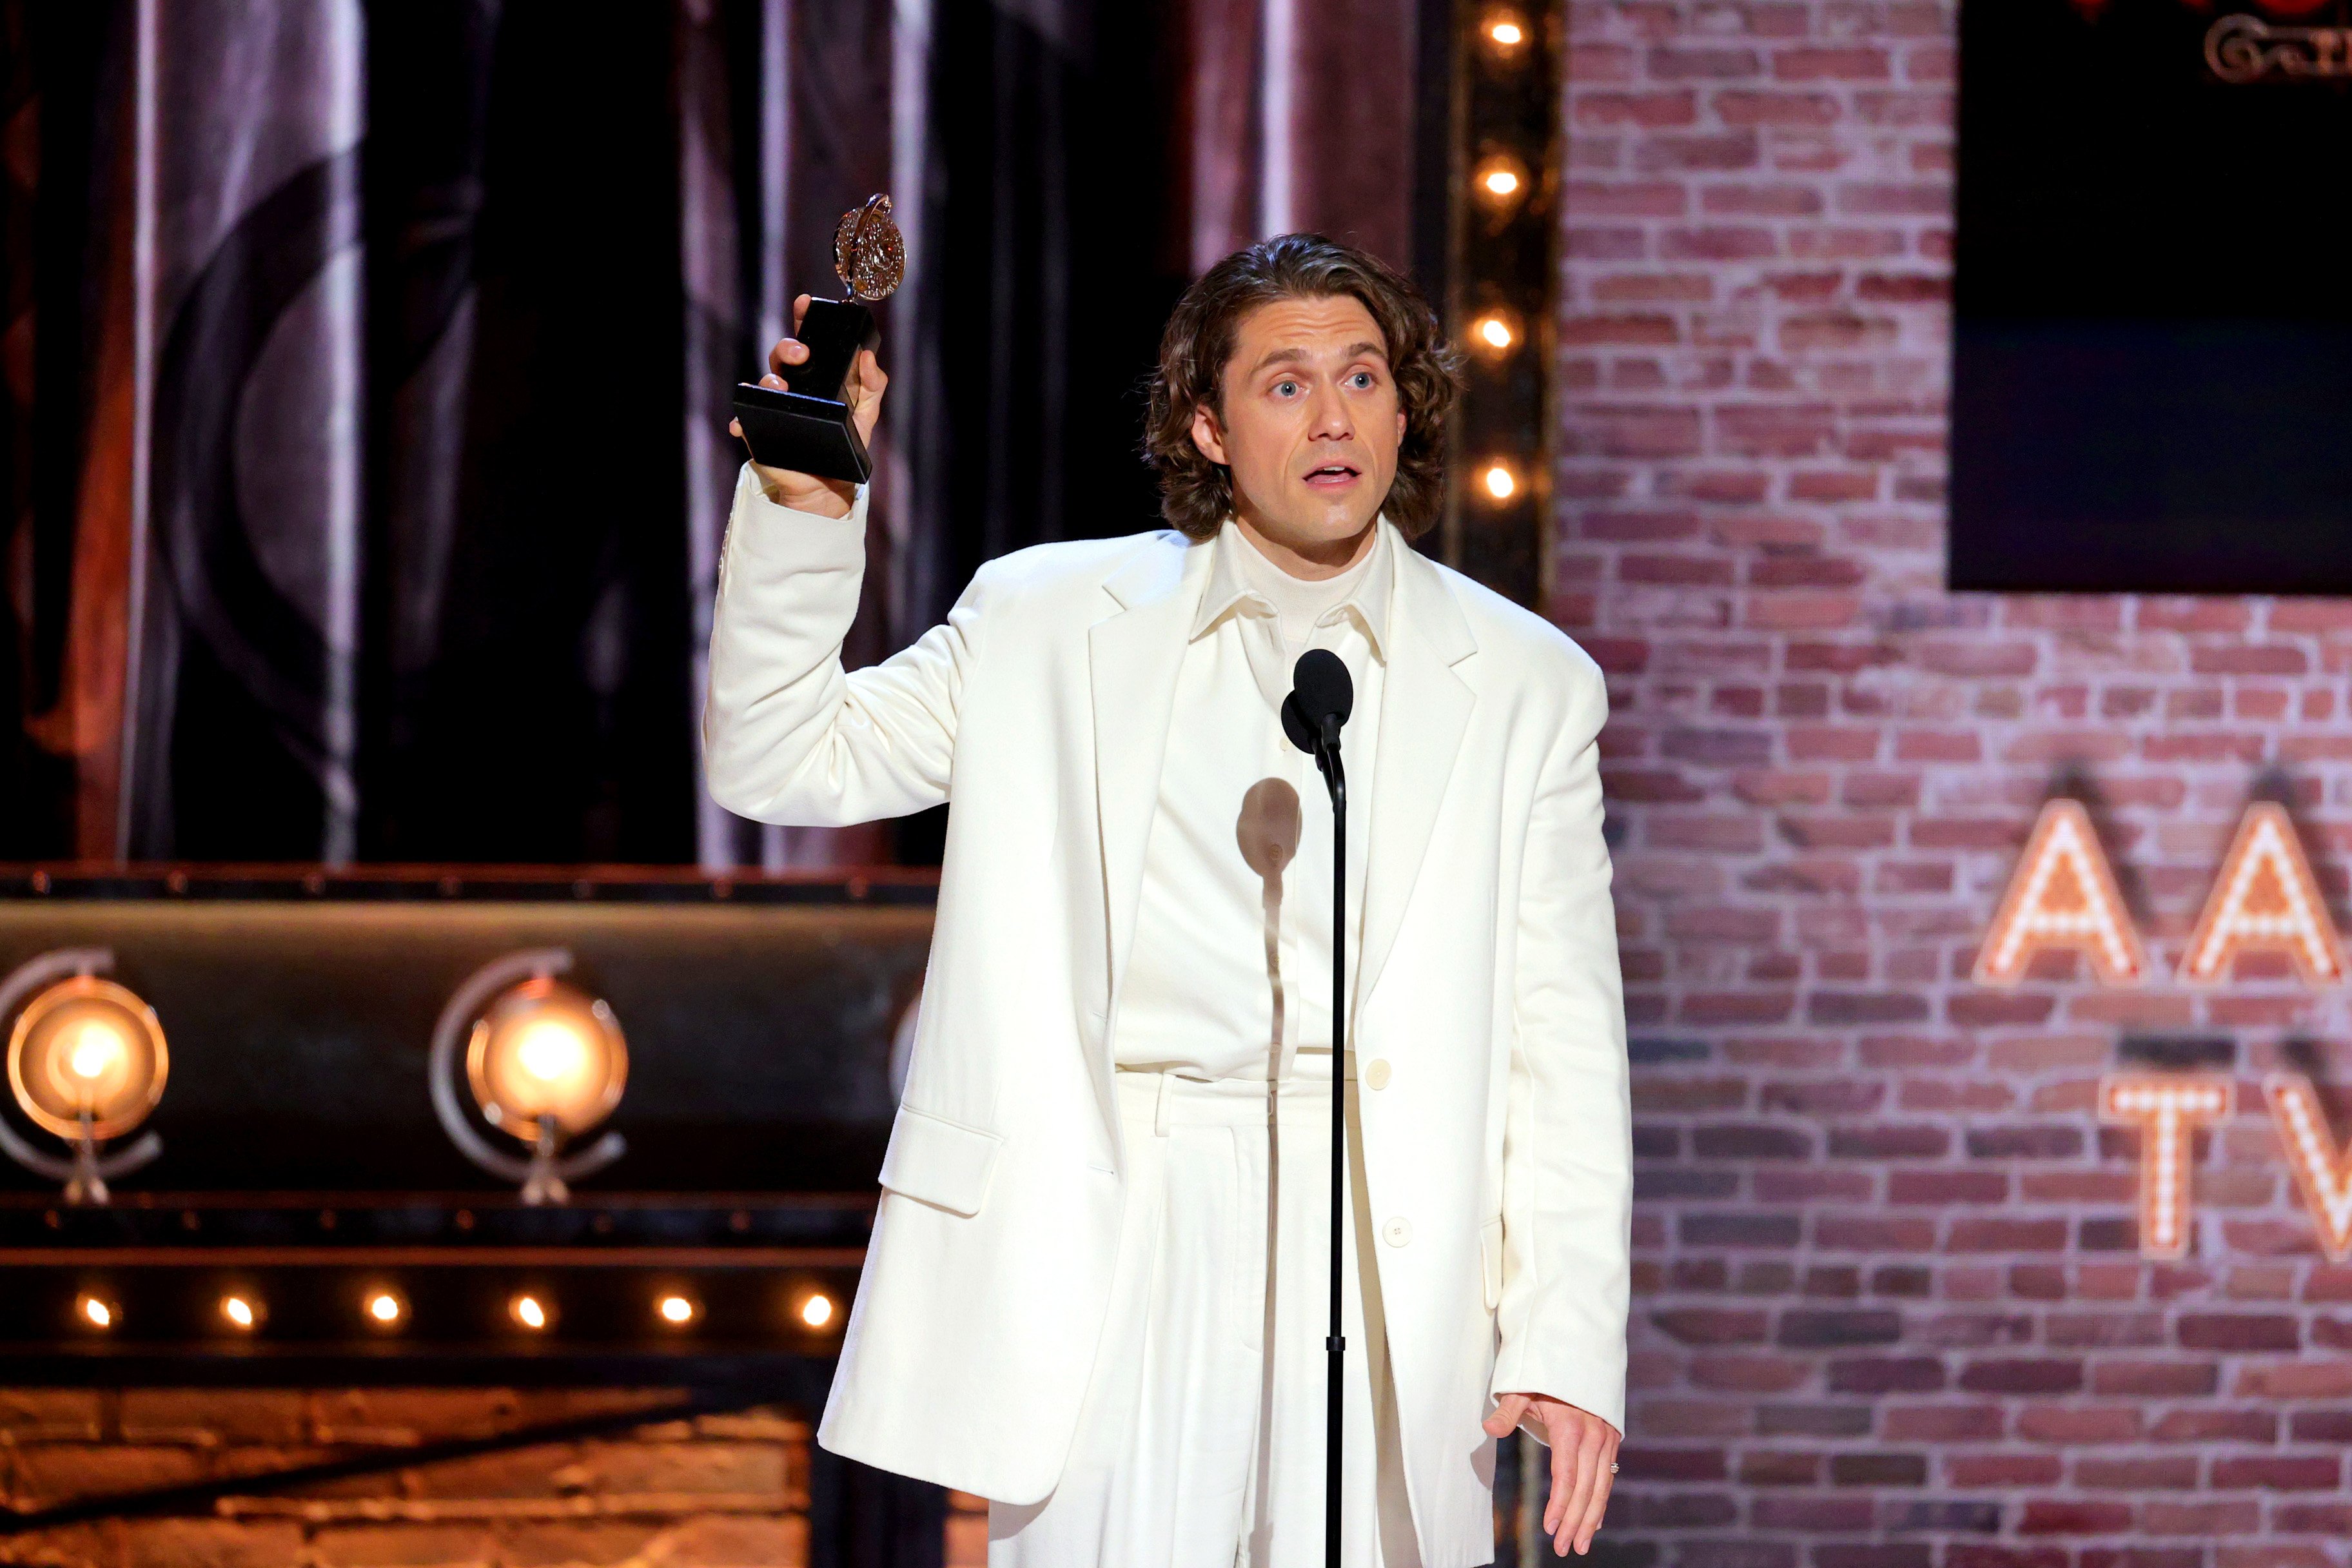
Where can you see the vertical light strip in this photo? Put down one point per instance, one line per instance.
(142, 389)
(341, 280)
(775, 167)
(1276, 74)
(911, 72)
(709, 256)
(775, 234)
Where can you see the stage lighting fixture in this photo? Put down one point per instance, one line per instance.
(677, 1310)
(1499, 482)
(241, 1311)
(545, 1061)
(531, 1311)
(1494, 331)
(87, 1062)
(816, 1310)
(1503, 29)
(97, 1311)
(385, 1308)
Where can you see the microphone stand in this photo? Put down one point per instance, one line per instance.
(1334, 1344)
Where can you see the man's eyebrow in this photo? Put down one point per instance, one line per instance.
(1300, 356)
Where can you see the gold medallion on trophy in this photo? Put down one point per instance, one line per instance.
(868, 252)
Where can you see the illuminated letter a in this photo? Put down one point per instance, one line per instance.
(2265, 898)
(2061, 895)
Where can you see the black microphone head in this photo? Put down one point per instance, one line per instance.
(1321, 690)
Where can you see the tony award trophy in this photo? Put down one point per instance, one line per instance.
(807, 428)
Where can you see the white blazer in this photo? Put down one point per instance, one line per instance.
(1487, 979)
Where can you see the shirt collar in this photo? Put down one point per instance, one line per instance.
(1367, 603)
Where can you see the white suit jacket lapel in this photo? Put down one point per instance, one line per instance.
(1134, 656)
(1424, 708)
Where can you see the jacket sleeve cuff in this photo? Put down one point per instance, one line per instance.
(777, 533)
(1593, 1394)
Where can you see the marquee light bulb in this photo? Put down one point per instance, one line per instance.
(676, 1310)
(1499, 181)
(1507, 31)
(528, 1310)
(1499, 482)
(97, 1315)
(1495, 332)
(551, 1051)
(546, 1053)
(87, 1059)
(239, 1311)
(96, 1047)
(385, 1308)
(817, 1310)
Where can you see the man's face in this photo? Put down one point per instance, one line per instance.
(1310, 424)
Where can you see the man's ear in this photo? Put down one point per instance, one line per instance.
(1207, 435)
(1399, 426)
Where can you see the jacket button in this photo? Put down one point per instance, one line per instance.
(1376, 1073)
(1397, 1232)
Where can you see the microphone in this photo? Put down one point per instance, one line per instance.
(1321, 697)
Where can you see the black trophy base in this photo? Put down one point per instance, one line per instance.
(808, 429)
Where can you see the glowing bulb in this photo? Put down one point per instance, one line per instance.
(1496, 332)
(97, 1047)
(1507, 34)
(385, 1308)
(675, 1310)
(528, 1311)
(551, 1051)
(817, 1310)
(1499, 483)
(1500, 182)
(97, 1313)
(238, 1310)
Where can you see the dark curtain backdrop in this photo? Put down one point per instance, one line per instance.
(366, 367)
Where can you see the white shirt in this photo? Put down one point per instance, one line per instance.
(1229, 974)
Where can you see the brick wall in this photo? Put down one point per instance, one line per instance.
(718, 1491)
(1890, 1309)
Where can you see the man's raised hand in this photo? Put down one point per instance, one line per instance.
(1583, 1463)
(806, 492)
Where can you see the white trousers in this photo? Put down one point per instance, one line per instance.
(1200, 1440)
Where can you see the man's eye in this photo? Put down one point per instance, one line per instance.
(1285, 388)
(1363, 378)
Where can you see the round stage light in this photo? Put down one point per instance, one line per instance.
(816, 1310)
(1503, 29)
(529, 1312)
(385, 1308)
(241, 1311)
(1501, 178)
(545, 1058)
(87, 1062)
(677, 1311)
(1499, 481)
(87, 1059)
(97, 1311)
(1495, 333)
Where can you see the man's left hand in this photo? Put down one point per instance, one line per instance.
(1584, 1460)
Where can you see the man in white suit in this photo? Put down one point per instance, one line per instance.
(1095, 1290)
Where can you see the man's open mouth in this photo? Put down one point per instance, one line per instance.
(1333, 474)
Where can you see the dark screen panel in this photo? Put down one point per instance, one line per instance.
(2152, 360)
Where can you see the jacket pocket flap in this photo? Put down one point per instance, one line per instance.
(938, 1162)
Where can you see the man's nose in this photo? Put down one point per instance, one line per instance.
(1331, 422)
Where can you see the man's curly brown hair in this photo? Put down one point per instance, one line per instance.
(1195, 494)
